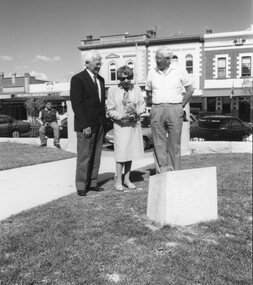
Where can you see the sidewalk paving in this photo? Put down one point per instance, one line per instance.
(26, 187)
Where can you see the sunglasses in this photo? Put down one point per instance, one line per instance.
(126, 77)
(160, 59)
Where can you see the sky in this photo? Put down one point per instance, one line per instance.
(41, 37)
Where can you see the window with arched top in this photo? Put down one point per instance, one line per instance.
(112, 71)
(189, 63)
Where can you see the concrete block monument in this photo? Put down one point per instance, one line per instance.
(183, 197)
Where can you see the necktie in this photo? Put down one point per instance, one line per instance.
(95, 82)
(96, 85)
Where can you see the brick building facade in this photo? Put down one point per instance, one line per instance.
(218, 63)
(228, 73)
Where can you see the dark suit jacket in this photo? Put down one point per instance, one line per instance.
(88, 110)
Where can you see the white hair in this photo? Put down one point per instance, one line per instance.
(91, 55)
(165, 51)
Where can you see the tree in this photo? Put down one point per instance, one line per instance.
(33, 106)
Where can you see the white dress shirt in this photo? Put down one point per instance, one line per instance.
(98, 82)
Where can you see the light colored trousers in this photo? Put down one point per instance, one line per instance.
(42, 132)
(166, 126)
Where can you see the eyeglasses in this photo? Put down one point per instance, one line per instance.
(159, 59)
(125, 77)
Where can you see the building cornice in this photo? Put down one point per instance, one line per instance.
(147, 42)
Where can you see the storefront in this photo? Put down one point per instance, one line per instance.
(20, 106)
(238, 103)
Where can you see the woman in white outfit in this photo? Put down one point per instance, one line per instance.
(125, 104)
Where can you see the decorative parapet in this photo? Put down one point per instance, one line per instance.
(123, 40)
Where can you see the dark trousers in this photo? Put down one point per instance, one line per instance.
(88, 158)
(166, 125)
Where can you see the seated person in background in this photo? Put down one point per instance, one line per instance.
(48, 117)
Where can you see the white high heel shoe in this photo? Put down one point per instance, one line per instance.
(130, 185)
(119, 187)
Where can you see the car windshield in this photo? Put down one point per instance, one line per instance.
(6, 119)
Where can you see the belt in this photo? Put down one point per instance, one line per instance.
(166, 104)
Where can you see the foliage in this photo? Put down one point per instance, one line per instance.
(33, 106)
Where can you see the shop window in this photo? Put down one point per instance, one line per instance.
(211, 104)
(189, 63)
(246, 66)
(226, 105)
(112, 71)
(222, 67)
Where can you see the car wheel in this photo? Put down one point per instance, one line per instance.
(146, 143)
(15, 134)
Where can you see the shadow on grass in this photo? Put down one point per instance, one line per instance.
(137, 176)
(104, 177)
(151, 171)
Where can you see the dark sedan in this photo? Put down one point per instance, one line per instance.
(64, 128)
(10, 127)
(219, 128)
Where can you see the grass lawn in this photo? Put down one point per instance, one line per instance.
(14, 155)
(105, 238)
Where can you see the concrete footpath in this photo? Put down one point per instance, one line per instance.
(26, 187)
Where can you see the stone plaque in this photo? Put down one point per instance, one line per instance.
(183, 197)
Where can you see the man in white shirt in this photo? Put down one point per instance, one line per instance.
(170, 89)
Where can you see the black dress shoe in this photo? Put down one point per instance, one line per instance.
(97, 189)
(81, 192)
(43, 145)
(57, 145)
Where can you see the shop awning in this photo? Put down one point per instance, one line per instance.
(225, 92)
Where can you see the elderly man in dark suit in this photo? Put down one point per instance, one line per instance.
(87, 95)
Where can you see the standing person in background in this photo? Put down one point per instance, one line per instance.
(170, 89)
(87, 95)
(48, 117)
(125, 104)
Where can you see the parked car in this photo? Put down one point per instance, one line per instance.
(193, 118)
(63, 125)
(146, 133)
(9, 127)
(219, 128)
